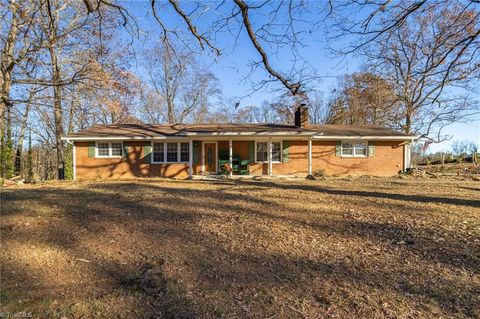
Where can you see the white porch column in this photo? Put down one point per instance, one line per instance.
(203, 158)
(407, 149)
(75, 161)
(270, 170)
(190, 158)
(230, 156)
(309, 157)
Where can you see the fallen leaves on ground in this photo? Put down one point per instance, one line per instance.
(333, 248)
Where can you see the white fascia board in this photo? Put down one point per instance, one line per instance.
(289, 135)
(122, 138)
(187, 135)
(371, 138)
(233, 134)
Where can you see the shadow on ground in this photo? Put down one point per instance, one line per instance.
(238, 249)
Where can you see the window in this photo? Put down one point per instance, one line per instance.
(109, 149)
(172, 153)
(158, 152)
(276, 152)
(357, 149)
(262, 152)
(184, 152)
(103, 150)
(360, 149)
(116, 149)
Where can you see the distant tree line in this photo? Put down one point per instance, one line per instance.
(460, 152)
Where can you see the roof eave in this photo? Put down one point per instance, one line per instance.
(367, 137)
(313, 135)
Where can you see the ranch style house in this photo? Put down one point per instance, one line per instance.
(186, 150)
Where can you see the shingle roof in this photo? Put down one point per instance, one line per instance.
(154, 130)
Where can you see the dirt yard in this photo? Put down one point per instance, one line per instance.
(335, 248)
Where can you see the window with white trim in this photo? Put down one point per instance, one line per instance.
(115, 149)
(109, 149)
(184, 152)
(103, 150)
(261, 151)
(158, 152)
(276, 152)
(172, 152)
(354, 149)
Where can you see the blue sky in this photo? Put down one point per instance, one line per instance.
(232, 66)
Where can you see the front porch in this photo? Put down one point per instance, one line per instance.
(243, 157)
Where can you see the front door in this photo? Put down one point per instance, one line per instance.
(210, 157)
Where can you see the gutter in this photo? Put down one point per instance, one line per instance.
(315, 136)
(186, 135)
(371, 138)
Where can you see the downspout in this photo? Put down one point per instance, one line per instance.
(310, 175)
(407, 155)
(190, 158)
(270, 166)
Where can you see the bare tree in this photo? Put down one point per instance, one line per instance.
(280, 31)
(23, 122)
(318, 109)
(427, 50)
(112, 100)
(281, 109)
(264, 113)
(183, 90)
(460, 148)
(70, 58)
(230, 111)
(16, 50)
(363, 98)
(51, 30)
(473, 147)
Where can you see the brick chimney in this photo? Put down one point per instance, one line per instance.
(301, 116)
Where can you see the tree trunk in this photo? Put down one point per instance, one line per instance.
(7, 156)
(408, 122)
(57, 91)
(70, 117)
(6, 69)
(29, 167)
(21, 137)
(171, 112)
(57, 109)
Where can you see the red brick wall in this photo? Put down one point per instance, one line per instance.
(387, 161)
(132, 166)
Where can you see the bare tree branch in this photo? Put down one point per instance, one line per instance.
(294, 88)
